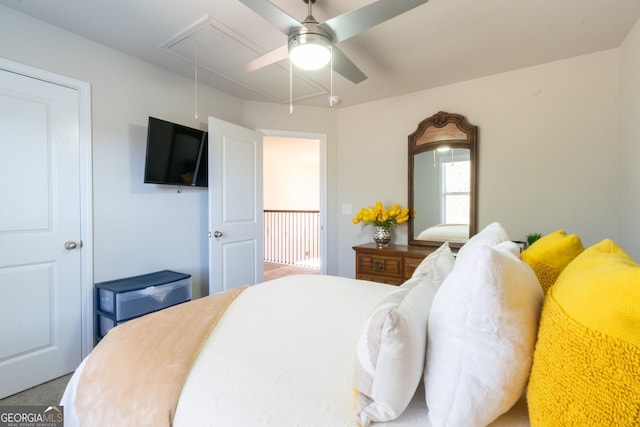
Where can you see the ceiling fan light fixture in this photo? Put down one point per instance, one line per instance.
(309, 51)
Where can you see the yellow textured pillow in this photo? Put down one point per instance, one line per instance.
(586, 365)
(550, 254)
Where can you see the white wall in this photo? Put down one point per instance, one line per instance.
(630, 143)
(138, 228)
(548, 151)
(291, 174)
(549, 147)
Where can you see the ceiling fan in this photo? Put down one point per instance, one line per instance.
(315, 42)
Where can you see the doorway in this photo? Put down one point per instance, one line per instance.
(294, 182)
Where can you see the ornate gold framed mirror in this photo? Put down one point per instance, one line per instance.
(443, 167)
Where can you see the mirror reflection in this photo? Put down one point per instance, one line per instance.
(442, 181)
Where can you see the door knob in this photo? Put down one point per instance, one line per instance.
(217, 234)
(71, 245)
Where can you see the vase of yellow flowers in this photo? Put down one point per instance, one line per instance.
(383, 220)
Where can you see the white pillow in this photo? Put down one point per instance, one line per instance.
(482, 332)
(391, 350)
(491, 235)
(441, 260)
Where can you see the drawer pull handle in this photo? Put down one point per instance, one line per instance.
(378, 265)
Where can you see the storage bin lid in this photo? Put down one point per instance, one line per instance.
(143, 281)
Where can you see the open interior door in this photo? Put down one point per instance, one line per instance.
(235, 206)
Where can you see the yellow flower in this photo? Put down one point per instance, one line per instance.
(380, 216)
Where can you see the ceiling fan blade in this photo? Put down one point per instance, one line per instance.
(274, 15)
(343, 66)
(349, 24)
(268, 58)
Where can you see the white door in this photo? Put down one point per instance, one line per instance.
(40, 271)
(235, 206)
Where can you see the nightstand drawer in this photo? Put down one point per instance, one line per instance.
(410, 265)
(392, 265)
(381, 279)
(379, 265)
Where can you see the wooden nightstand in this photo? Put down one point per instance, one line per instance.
(391, 265)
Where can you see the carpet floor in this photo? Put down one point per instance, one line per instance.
(48, 394)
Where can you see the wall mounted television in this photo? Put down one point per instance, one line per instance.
(176, 154)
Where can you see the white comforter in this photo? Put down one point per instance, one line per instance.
(283, 355)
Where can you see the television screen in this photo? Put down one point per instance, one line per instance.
(176, 154)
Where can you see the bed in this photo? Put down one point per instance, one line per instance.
(260, 367)
(452, 233)
(454, 345)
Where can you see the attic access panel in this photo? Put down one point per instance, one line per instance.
(223, 52)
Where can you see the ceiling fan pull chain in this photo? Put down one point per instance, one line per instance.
(333, 99)
(331, 75)
(290, 88)
(195, 78)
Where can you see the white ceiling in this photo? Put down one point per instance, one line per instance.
(440, 42)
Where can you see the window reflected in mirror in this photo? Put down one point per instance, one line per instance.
(455, 174)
